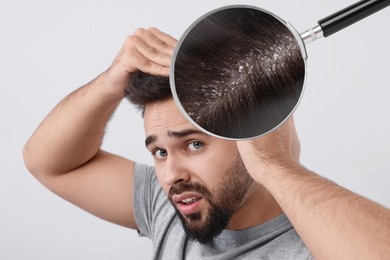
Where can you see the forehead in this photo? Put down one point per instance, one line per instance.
(164, 116)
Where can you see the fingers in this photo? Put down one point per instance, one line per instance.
(147, 65)
(156, 39)
(155, 45)
(158, 54)
(148, 50)
(163, 36)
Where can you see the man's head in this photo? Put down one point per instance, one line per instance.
(204, 176)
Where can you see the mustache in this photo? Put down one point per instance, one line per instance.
(181, 187)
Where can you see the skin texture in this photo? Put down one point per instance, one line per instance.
(64, 154)
(179, 158)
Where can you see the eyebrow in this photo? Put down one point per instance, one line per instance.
(176, 134)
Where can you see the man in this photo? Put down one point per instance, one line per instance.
(230, 199)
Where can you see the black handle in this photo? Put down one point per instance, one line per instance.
(352, 14)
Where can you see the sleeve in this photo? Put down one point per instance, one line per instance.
(147, 191)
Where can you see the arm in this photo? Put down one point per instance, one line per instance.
(332, 221)
(64, 152)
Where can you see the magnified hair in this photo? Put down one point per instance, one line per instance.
(239, 72)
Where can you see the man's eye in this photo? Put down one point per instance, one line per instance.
(194, 146)
(160, 153)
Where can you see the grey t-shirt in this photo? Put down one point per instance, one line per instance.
(157, 219)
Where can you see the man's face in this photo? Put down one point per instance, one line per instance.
(203, 176)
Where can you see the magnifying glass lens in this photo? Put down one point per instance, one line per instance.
(238, 72)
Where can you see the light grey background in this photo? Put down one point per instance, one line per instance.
(50, 48)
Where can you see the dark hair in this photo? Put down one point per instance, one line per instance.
(239, 72)
(236, 66)
(144, 89)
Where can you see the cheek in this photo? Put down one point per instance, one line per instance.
(210, 167)
(221, 157)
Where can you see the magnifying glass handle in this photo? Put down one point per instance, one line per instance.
(344, 18)
(350, 15)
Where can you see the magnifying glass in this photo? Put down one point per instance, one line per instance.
(238, 72)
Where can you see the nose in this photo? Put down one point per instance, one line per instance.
(176, 171)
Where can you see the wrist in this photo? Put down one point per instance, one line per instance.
(113, 82)
(272, 170)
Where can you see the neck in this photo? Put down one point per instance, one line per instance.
(257, 207)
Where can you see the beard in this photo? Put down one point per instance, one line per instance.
(222, 202)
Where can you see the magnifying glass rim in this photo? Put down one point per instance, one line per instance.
(296, 35)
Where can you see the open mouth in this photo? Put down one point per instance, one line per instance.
(189, 201)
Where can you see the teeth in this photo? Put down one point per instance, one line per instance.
(189, 200)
